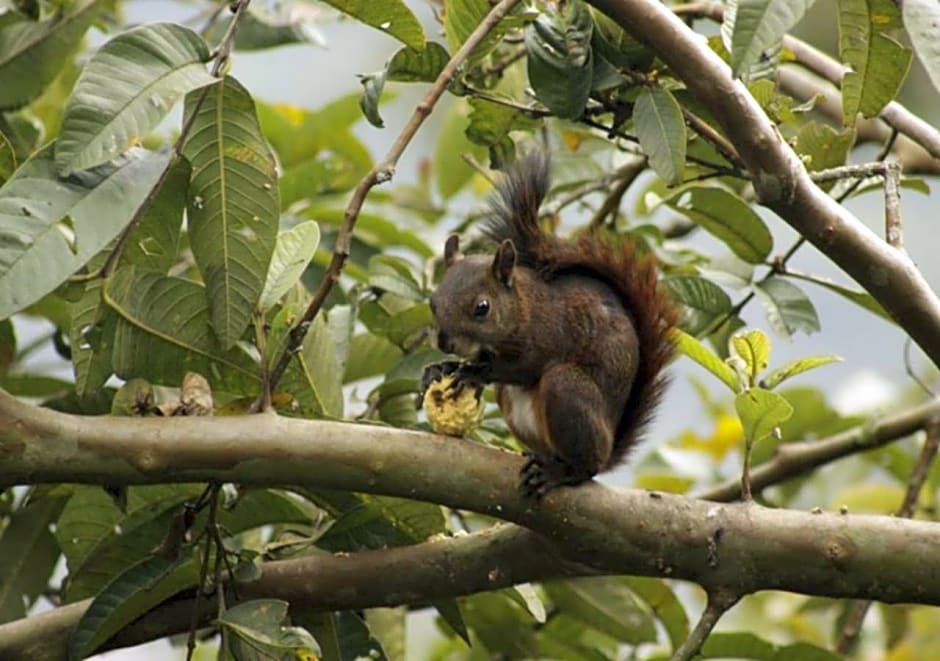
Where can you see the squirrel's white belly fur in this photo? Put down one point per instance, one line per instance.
(518, 406)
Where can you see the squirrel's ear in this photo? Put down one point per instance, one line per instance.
(452, 250)
(504, 261)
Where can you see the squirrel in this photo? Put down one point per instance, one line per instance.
(574, 333)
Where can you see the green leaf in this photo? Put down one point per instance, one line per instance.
(822, 147)
(617, 45)
(372, 86)
(260, 28)
(860, 298)
(126, 89)
(753, 347)
(689, 346)
(798, 366)
(413, 66)
(132, 593)
(51, 226)
(370, 355)
(233, 204)
(921, 18)
(393, 274)
(761, 411)
(877, 63)
(32, 54)
(752, 26)
(91, 334)
(315, 375)
(449, 610)
(292, 253)
(664, 604)
(461, 18)
(452, 174)
(661, 130)
(390, 16)
(258, 630)
(560, 60)
(29, 553)
(787, 307)
(7, 158)
(491, 123)
(100, 541)
(738, 646)
(702, 302)
(604, 603)
(154, 244)
(164, 332)
(374, 230)
(370, 522)
(727, 217)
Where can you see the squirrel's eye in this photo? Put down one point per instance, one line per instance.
(482, 308)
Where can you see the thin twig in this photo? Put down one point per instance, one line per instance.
(909, 369)
(798, 458)
(894, 234)
(213, 491)
(852, 627)
(719, 602)
(380, 173)
(221, 54)
(717, 140)
(530, 111)
(627, 175)
(477, 167)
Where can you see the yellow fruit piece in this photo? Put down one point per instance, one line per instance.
(452, 411)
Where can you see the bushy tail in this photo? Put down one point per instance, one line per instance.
(607, 257)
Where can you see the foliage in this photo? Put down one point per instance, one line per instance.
(156, 255)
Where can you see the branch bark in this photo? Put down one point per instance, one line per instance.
(494, 558)
(742, 548)
(780, 179)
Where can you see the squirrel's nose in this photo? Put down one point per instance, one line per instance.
(444, 342)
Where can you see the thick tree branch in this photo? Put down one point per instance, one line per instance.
(780, 179)
(742, 548)
(495, 558)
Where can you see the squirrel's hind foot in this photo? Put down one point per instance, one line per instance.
(538, 476)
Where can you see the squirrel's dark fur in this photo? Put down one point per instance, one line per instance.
(576, 330)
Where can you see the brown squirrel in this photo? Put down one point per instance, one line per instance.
(574, 333)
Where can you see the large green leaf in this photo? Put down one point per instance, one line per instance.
(752, 26)
(32, 54)
(127, 87)
(370, 355)
(491, 123)
(100, 541)
(390, 16)
(605, 603)
(29, 553)
(163, 332)
(702, 302)
(50, 226)
(261, 28)
(823, 147)
(560, 58)
(728, 217)
(877, 63)
(660, 128)
(293, 252)
(921, 18)
(154, 243)
(233, 204)
(315, 375)
(665, 605)
(91, 334)
(798, 366)
(452, 174)
(258, 631)
(129, 595)
(860, 298)
(461, 18)
(787, 307)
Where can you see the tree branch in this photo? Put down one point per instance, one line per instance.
(719, 602)
(742, 548)
(494, 558)
(795, 459)
(780, 179)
